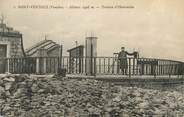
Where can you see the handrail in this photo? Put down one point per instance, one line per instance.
(98, 57)
(95, 65)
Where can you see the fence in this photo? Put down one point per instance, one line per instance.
(93, 66)
(113, 66)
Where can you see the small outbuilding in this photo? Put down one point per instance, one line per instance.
(45, 48)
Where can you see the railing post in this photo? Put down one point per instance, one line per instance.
(113, 65)
(8, 66)
(104, 66)
(80, 63)
(91, 65)
(99, 65)
(108, 65)
(86, 71)
(95, 66)
(37, 65)
(134, 66)
(76, 65)
(118, 66)
(142, 67)
(44, 65)
(183, 70)
(59, 65)
(129, 68)
(155, 67)
(178, 71)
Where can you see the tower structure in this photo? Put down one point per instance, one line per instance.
(91, 54)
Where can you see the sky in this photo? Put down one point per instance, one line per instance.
(155, 28)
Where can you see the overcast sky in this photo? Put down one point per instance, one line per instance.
(154, 27)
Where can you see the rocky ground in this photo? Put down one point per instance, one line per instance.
(28, 96)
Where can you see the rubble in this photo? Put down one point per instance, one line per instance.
(26, 96)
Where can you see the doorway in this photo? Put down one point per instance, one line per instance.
(3, 55)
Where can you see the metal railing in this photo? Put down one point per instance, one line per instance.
(131, 66)
(93, 66)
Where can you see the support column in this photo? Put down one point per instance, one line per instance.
(8, 65)
(37, 65)
(44, 65)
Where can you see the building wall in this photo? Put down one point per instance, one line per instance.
(14, 48)
(54, 52)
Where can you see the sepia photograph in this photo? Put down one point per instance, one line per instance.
(91, 58)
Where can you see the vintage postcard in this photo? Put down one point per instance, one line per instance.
(91, 58)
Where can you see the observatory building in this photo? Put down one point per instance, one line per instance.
(11, 43)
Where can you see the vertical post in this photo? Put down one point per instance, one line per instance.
(70, 62)
(155, 68)
(158, 68)
(81, 64)
(37, 65)
(182, 70)
(85, 70)
(55, 67)
(34, 65)
(108, 65)
(94, 66)
(44, 65)
(113, 65)
(161, 68)
(179, 69)
(8, 66)
(63, 61)
(152, 67)
(91, 59)
(67, 66)
(146, 67)
(27, 65)
(13, 64)
(118, 66)
(137, 66)
(104, 65)
(129, 67)
(90, 54)
(50, 65)
(100, 65)
(134, 66)
(61, 54)
(21, 65)
(76, 65)
(170, 68)
(164, 68)
(60, 59)
(142, 64)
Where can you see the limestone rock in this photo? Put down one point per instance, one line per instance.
(21, 95)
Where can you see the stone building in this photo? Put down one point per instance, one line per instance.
(11, 43)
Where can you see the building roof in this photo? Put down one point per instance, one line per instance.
(45, 44)
(8, 31)
(80, 46)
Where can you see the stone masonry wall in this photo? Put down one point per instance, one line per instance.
(14, 45)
